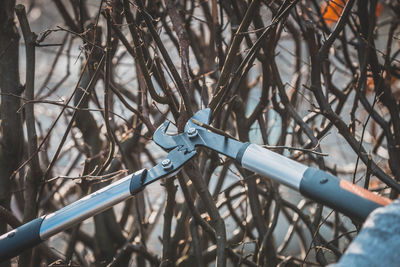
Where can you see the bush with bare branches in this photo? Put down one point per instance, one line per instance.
(317, 81)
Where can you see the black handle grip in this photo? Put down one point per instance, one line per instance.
(340, 195)
(19, 239)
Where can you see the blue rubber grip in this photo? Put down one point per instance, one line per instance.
(19, 239)
(325, 189)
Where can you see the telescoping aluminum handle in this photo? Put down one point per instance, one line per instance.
(341, 195)
(40, 229)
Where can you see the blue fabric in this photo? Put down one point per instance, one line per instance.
(378, 243)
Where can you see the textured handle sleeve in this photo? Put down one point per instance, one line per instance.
(17, 240)
(341, 195)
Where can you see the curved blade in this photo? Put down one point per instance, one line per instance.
(161, 138)
(202, 116)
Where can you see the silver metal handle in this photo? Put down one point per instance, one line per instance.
(85, 207)
(273, 166)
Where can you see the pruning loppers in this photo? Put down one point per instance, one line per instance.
(341, 195)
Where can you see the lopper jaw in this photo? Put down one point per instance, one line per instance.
(169, 142)
(196, 135)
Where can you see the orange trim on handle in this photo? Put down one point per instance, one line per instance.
(355, 189)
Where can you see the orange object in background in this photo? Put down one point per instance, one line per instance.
(394, 85)
(332, 10)
(378, 10)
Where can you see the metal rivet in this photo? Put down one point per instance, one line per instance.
(323, 181)
(166, 164)
(192, 132)
(11, 234)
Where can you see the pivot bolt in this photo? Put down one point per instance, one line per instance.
(192, 132)
(166, 164)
